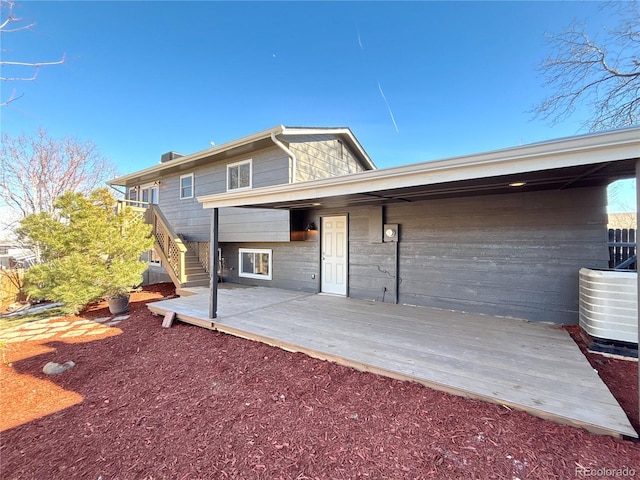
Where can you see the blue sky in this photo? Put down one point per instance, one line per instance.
(415, 81)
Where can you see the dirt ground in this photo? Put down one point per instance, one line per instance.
(145, 402)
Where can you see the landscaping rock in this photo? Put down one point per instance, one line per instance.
(53, 368)
(18, 306)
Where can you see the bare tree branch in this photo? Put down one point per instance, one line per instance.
(35, 170)
(604, 75)
(13, 97)
(9, 23)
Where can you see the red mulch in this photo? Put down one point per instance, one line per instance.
(621, 376)
(145, 402)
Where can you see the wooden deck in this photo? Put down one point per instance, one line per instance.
(528, 366)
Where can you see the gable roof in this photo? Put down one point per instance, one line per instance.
(245, 145)
(588, 160)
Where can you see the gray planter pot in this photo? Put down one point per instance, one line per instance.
(118, 304)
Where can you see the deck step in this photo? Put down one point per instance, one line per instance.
(196, 283)
(197, 276)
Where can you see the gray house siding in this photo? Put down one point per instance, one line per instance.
(252, 225)
(512, 255)
(324, 159)
(187, 217)
(315, 160)
(294, 264)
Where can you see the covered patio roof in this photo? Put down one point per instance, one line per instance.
(588, 160)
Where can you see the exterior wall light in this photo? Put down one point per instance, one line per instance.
(517, 184)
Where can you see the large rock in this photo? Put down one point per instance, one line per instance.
(53, 368)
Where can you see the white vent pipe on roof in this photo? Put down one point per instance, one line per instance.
(290, 154)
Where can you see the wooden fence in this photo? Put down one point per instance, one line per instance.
(623, 249)
(10, 283)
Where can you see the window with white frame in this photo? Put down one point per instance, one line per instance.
(255, 263)
(239, 175)
(149, 193)
(186, 186)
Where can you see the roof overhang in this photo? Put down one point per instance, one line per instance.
(588, 160)
(242, 146)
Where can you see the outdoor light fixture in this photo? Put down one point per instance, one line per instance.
(517, 184)
(311, 227)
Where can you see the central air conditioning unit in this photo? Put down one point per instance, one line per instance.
(609, 305)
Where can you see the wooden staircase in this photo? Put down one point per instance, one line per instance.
(195, 274)
(187, 267)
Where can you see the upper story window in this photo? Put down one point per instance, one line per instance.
(239, 175)
(186, 186)
(143, 195)
(149, 194)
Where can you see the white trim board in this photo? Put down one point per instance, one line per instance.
(571, 152)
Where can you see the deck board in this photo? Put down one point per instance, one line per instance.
(530, 366)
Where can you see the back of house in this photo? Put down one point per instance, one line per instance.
(277, 156)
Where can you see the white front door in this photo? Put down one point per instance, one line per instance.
(334, 255)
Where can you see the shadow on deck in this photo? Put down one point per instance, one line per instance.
(533, 367)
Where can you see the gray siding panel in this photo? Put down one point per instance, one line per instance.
(187, 217)
(512, 255)
(324, 159)
(293, 265)
(270, 167)
(253, 225)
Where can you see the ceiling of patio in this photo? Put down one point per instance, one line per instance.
(555, 179)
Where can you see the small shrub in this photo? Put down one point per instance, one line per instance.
(89, 250)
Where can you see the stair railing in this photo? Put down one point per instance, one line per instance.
(169, 245)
